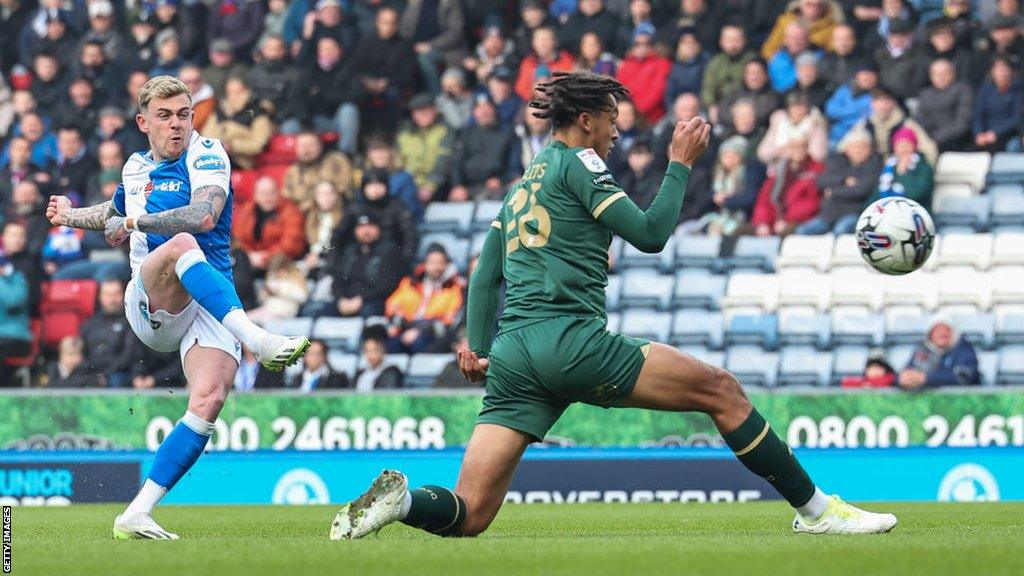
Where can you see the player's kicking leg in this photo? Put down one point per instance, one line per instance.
(210, 373)
(673, 381)
(487, 468)
(178, 270)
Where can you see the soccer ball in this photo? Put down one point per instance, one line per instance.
(895, 235)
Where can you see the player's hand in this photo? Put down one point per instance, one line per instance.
(115, 232)
(472, 366)
(689, 141)
(57, 210)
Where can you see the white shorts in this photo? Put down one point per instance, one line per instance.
(166, 332)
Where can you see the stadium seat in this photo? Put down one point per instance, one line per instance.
(755, 252)
(275, 171)
(458, 248)
(804, 287)
(752, 366)
(756, 290)
(965, 250)
(1006, 167)
(648, 324)
(698, 289)
(988, 367)
(914, 289)
(424, 368)
(972, 212)
(1007, 210)
(1011, 365)
(280, 150)
(339, 333)
(614, 322)
(452, 217)
(343, 362)
(804, 366)
(613, 293)
(846, 253)
(962, 287)
(944, 191)
(1009, 328)
(857, 329)
(1007, 284)
(485, 213)
(806, 252)
(899, 356)
(963, 168)
(1008, 249)
(632, 257)
(905, 327)
(849, 361)
(761, 330)
(697, 328)
(806, 330)
(859, 286)
(697, 251)
(242, 184)
(644, 289)
(302, 326)
(63, 295)
(57, 324)
(978, 329)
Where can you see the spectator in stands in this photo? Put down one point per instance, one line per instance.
(756, 89)
(14, 18)
(724, 73)
(789, 197)
(103, 29)
(943, 359)
(534, 15)
(886, 118)
(686, 107)
(105, 77)
(328, 20)
(545, 53)
(283, 292)
(316, 373)
(63, 246)
(817, 17)
(112, 127)
(223, 65)
(744, 123)
(70, 369)
(326, 95)
(592, 56)
(1004, 41)
(630, 126)
(728, 182)
(14, 243)
(998, 108)
(425, 148)
(314, 165)
(493, 51)
(878, 373)
(80, 109)
(322, 221)
(435, 29)
(508, 104)
(170, 16)
(906, 172)
(891, 11)
(636, 12)
(57, 39)
(640, 179)
(480, 164)
(942, 45)
(141, 47)
(381, 155)
(111, 160)
(111, 347)
(19, 167)
(532, 135)
(851, 102)
(240, 21)
(28, 209)
(799, 117)
(74, 163)
(269, 225)
(645, 73)
(7, 111)
(136, 80)
(451, 376)
(49, 83)
(704, 16)
(379, 373)
(391, 214)
(946, 107)
(204, 101)
(384, 63)
(168, 54)
(782, 66)
(252, 376)
(809, 81)
(242, 126)
(849, 178)
(271, 78)
(839, 66)
(455, 102)
(365, 272)
(902, 62)
(157, 369)
(15, 336)
(591, 16)
(426, 305)
(688, 70)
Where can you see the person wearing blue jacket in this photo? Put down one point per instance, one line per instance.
(851, 102)
(997, 108)
(15, 336)
(943, 359)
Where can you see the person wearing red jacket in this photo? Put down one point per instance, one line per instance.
(269, 225)
(878, 373)
(790, 198)
(645, 73)
(545, 53)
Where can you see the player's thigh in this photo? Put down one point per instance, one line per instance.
(673, 381)
(490, 461)
(156, 328)
(159, 277)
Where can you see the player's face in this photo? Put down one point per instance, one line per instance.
(168, 123)
(603, 130)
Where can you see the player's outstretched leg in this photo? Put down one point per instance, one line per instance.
(210, 374)
(487, 468)
(671, 380)
(180, 263)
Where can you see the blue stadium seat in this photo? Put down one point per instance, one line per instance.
(343, 362)
(697, 327)
(712, 357)
(1011, 365)
(1009, 328)
(454, 217)
(899, 356)
(697, 251)
(752, 366)
(301, 326)
(613, 293)
(698, 289)
(339, 333)
(458, 248)
(800, 329)
(476, 243)
(1006, 167)
(648, 324)
(988, 366)
(849, 361)
(760, 330)
(632, 257)
(804, 366)
(755, 252)
(978, 329)
(642, 289)
(906, 328)
(972, 212)
(1008, 210)
(485, 213)
(424, 368)
(864, 330)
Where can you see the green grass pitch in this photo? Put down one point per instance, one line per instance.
(586, 539)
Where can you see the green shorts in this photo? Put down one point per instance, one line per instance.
(536, 371)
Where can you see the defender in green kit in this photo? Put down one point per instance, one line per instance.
(549, 245)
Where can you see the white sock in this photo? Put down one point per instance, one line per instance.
(406, 505)
(815, 507)
(147, 498)
(197, 424)
(245, 330)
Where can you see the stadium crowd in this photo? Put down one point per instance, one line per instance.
(344, 119)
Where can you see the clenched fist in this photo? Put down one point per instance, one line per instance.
(689, 141)
(57, 210)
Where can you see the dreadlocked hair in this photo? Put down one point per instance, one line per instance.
(568, 94)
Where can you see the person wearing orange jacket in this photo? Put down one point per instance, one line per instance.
(269, 225)
(426, 304)
(545, 56)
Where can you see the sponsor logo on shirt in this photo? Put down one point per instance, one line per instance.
(168, 186)
(591, 160)
(208, 162)
(604, 180)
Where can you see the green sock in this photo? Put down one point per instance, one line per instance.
(766, 455)
(435, 509)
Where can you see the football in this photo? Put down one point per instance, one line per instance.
(895, 235)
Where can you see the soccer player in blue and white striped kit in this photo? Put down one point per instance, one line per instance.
(174, 207)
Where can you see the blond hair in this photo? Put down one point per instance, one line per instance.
(161, 87)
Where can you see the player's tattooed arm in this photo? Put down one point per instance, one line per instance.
(201, 215)
(59, 212)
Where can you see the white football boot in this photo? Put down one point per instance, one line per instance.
(140, 527)
(377, 507)
(278, 352)
(843, 518)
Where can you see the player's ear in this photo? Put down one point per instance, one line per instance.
(140, 120)
(586, 122)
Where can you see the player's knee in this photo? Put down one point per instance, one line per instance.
(181, 243)
(207, 401)
(726, 393)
